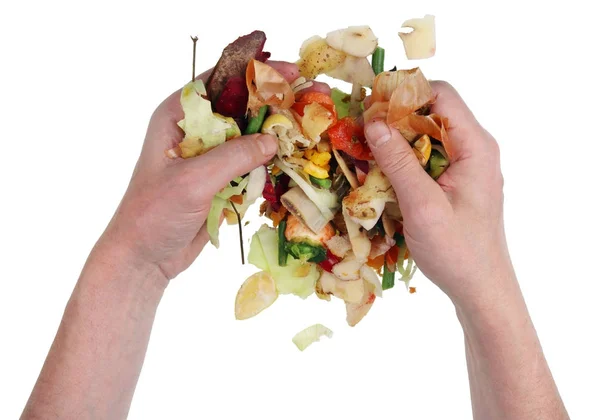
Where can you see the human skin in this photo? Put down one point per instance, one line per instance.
(158, 230)
(454, 229)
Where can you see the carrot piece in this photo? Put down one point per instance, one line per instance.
(278, 216)
(237, 199)
(377, 262)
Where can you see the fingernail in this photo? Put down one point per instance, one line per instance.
(267, 145)
(378, 133)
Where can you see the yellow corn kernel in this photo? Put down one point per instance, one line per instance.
(316, 171)
(275, 170)
(320, 159)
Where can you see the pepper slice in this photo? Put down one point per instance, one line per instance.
(329, 262)
(318, 97)
(391, 258)
(273, 193)
(347, 135)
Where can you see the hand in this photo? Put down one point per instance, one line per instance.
(453, 228)
(160, 221)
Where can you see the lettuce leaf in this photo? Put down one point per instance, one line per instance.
(341, 101)
(311, 335)
(203, 130)
(218, 204)
(407, 268)
(296, 277)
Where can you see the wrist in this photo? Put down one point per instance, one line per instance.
(113, 263)
(499, 303)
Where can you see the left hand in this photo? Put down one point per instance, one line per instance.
(161, 219)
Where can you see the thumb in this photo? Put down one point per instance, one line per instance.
(215, 169)
(413, 186)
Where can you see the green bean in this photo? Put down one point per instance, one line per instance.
(388, 278)
(377, 60)
(282, 254)
(255, 123)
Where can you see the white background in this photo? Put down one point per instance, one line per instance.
(79, 81)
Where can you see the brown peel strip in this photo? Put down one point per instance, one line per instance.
(397, 94)
(384, 85)
(266, 86)
(378, 110)
(413, 93)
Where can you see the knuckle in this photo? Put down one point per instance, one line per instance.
(428, 214)
(442, 86)
(170, 107)
(399, 162)
(499, 179)
(494, 150)
(185, 187)
(243, 152)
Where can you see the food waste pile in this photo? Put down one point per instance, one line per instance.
(334, 224)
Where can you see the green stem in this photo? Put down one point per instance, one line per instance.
(388, 278)
(377, 60)
(282, 255)
(239, 219)
(255, 123)
(323, 183)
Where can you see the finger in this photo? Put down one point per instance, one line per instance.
(191, 251)
(197, 244)
(464, 131)
(195, 247)
(288, 70)
(163, 124)
(413, 186)
(291, 72)
(212, 171)
(317, 87)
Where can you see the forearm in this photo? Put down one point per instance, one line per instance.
(508, 374)
(94, 363)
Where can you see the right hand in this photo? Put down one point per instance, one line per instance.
(453, 227)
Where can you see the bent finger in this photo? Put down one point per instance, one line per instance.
(413, 186)
(464, 131)
(212, 171)
(316, 87)
(289, 71)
